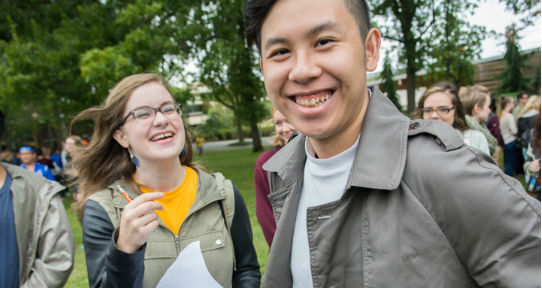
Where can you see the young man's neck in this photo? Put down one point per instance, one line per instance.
(30, 166)
(330, 146)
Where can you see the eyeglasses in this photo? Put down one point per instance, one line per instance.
(146, 113)
(441, 110)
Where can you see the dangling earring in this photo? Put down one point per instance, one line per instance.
(184, 152)
(133, 158)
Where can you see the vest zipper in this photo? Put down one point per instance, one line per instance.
(178, 243)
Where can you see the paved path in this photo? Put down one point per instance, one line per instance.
(224, 145)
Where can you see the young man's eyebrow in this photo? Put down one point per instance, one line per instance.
(311, 33)
(274, 40)
(329, 25)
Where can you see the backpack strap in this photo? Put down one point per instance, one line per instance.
(227, 206)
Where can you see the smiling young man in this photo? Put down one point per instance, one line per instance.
(365, 197)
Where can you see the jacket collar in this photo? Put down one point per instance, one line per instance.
(380, 156)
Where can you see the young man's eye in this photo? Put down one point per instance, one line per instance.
(323, 42)
(279, 52)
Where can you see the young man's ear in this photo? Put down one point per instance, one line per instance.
(121, 138)
(261, 66)
(372, 49)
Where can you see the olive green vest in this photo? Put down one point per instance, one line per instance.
(204, 223)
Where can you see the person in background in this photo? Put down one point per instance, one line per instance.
(494, 126)
(72, 144)
(56, 158)
(42, 155)
(525, 124)
(475, 100)
(521, 98)
(532, 161)
(264, 211)
(508, 131)
(144, 202)
(199, 144)
(36, 241)
(364, 196)
(28, 158)
(440, 102)
(526, 119)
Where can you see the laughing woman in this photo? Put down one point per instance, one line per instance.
(140, 150)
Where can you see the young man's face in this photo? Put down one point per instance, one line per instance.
(27, 157)
(314, 64)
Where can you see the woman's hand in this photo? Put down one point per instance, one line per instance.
(534, 166)
(138, 221)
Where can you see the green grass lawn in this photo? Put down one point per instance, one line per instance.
(237, 165)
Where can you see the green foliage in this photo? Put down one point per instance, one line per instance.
(227, 65)
(417, 25)
(454, 44)
(388, 86)
(219, 125)
(512, 78)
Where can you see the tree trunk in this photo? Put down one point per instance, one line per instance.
(256, 140)
(240, 133)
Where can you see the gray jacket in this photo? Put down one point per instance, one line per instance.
(420, 209)
(44, 235)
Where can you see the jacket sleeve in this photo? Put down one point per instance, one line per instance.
(264, 211)
(247, 272)
(54, 260)
(489, 220)
(106, 265)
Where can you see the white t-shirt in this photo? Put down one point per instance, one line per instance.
(324, 181)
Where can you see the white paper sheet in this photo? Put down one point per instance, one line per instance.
(188, 270)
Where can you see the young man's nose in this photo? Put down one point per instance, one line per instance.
(304, 69)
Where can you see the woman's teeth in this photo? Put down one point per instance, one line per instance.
(161, 136)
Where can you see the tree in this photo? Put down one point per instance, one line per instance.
(388, 86)
(454, 44)
(227, 64)
(77, 52)
(413, 24)
(512, 79)
(526, 10)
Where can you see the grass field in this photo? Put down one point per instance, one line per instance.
(237, 165)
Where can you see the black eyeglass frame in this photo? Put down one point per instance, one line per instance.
(446, 109)
(155, 109)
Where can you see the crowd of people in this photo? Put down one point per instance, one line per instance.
(352, 194)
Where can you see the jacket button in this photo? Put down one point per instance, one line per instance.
(413, 126)
(218, 241)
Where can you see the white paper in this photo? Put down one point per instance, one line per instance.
(188, 270)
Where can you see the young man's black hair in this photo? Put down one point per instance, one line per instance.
(257, 10)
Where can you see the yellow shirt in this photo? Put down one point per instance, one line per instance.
(177, 202)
